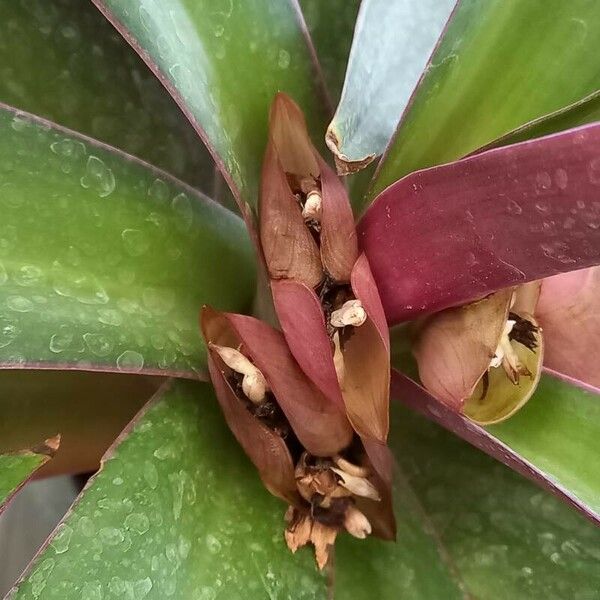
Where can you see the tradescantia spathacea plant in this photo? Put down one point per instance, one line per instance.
(464, 214)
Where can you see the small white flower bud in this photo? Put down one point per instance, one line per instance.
(351, 313)
(356, 523)
(255, 386)
(313, 206)
(254, 383)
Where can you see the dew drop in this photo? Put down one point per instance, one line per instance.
(561, 179)
(62, 539)
(8, 332)
(137, 522)
(130, 360)
(594, 171)
(159, 191)
(98, 344)
(150, 475)
(213, 544)
(98, 177)
(110, 316)
(111, 536)
(141, 588)
(184, 213)
(135, 241)
(543, 180)
(158, 301)
(86, 526)
(28, 275)
(85, 289)
(92, 590)
(514, 208)
(283, 59)
(19, 304)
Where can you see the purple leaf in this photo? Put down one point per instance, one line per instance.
(451, 234)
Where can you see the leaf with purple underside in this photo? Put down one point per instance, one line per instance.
(552, 440)
(451, 234)
(105, 260)
(17, 467)
(210, 55)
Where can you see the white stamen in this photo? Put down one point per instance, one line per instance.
(313, 207)
(350, 313)
(359, 486)
(254, 383)
(356, 523)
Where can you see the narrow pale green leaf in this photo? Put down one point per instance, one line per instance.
(16, 468)
(579, 113)
(224, 61)
(105, 261)
(391, 46)
(60, 59)
(331, 25)
(88, 409)
(507, 538)
(500, 64)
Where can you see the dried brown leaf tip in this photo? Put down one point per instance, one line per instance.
(309, 404)
(483, 359)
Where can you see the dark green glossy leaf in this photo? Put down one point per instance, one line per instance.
(331, 25)
(391, 46)
(500, 64)
(579, 113)
(16, 468)
(104, 261)
(224, 62)
(89, 410)
(60, 59)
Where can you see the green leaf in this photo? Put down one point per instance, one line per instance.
(392, 42)
(331, 25)
(105, 261)
(579, 113)
(18, 467)
(63, 61)
(88, 409)
(500, 64)
(224, 63)
(177, 510)
(555, 434)
(507, 538)
(558, 431)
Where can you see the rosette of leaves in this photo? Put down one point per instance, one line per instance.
(464, 214)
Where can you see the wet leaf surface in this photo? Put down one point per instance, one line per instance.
(61, 60)
(104, 261)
